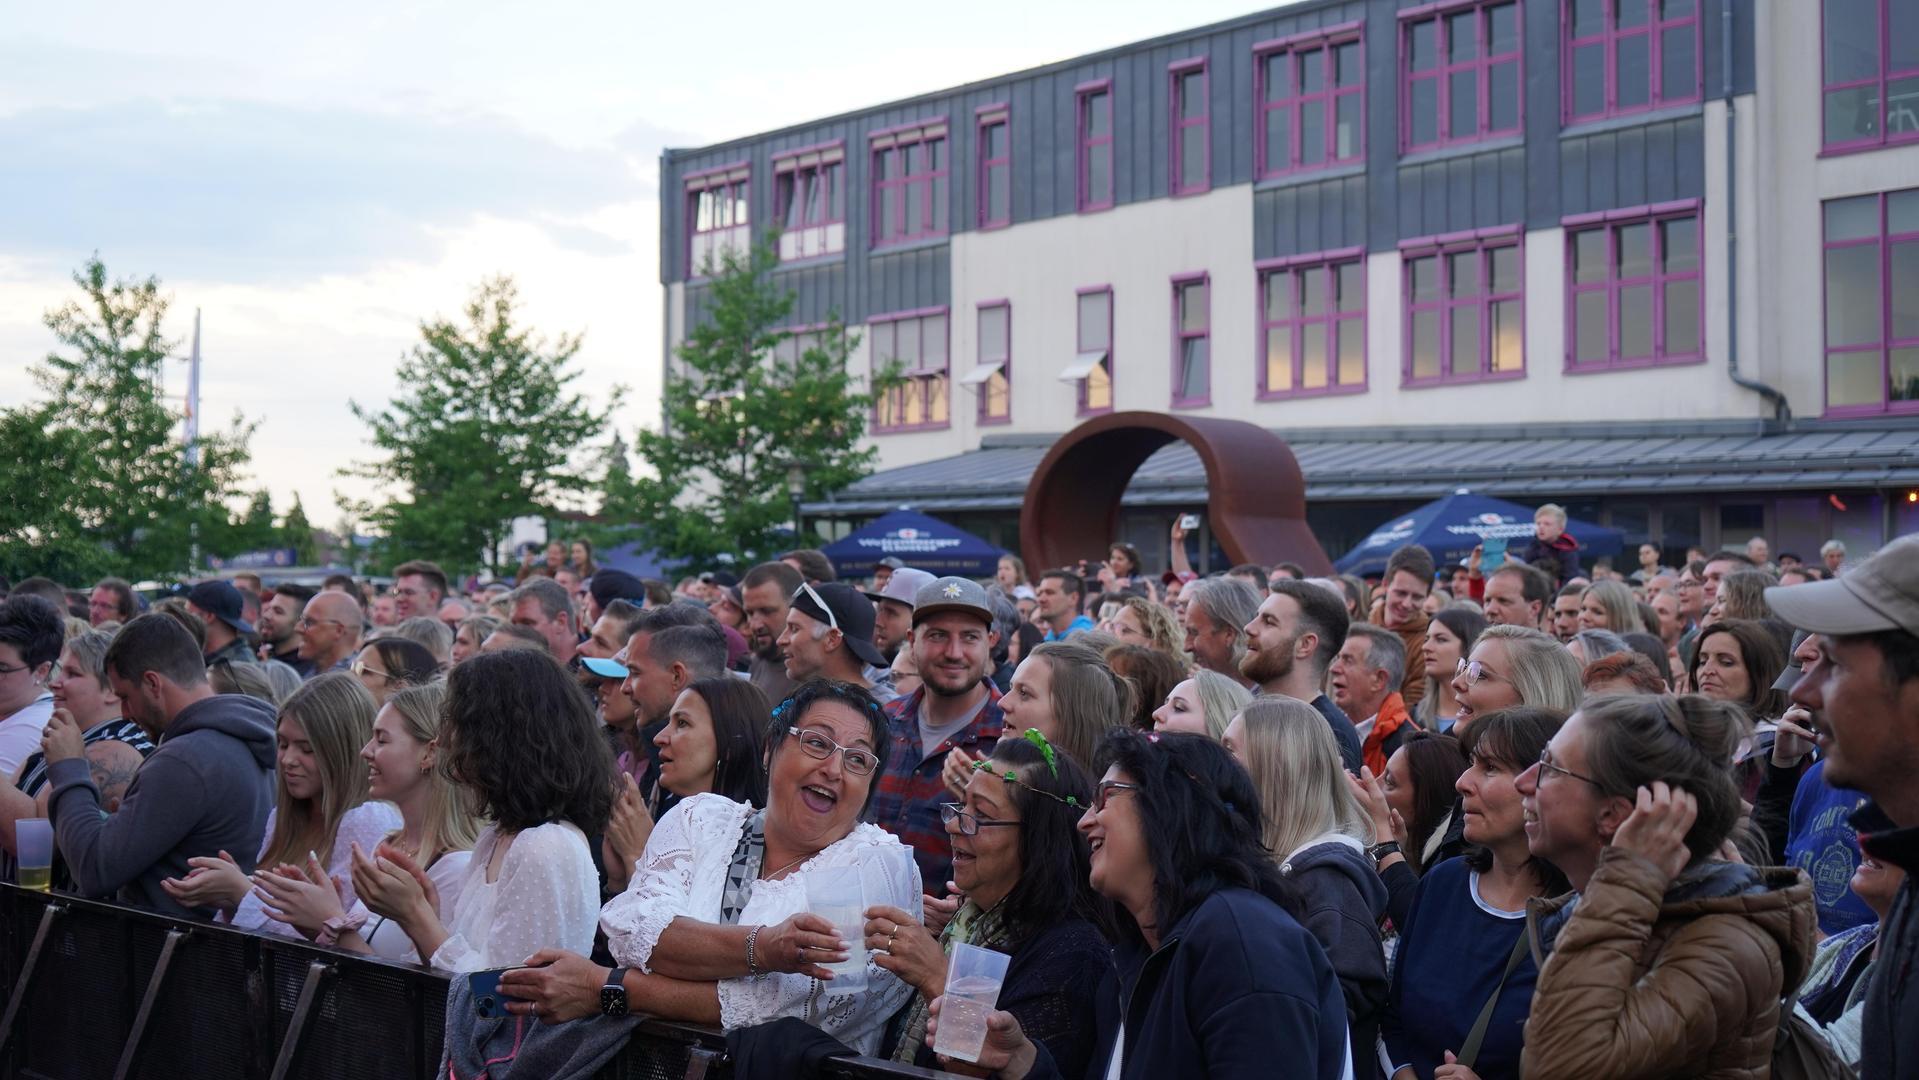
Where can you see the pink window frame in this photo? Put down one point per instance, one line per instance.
(1324, 40)
(917, 384)
(781, 167)
(1882, 239)
(1298, 326)
(1181, 335)
(1607, 40)
(1483, 242)
(1441, 74)
(919, 185)
(1880, 81)
(1006, 368)
(1176, 125)
(1656, 279)
(984, 117)
(1084, 143)
(1112, 371)
(695, 184)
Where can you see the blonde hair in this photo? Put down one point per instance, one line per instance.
(337, 715)
(450, 822)
(1622, 611)
(1220, 699)
(1543, 672)
(1088, 698)
(1551, 510)
(1295, 766)
(1162, 632)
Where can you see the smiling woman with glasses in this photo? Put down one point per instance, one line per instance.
(1514, 665)
(1667, 960)
(715, 927)
(1218, 978)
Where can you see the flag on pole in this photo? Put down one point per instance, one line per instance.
(193, 396)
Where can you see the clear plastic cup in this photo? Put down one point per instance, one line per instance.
(34, 841)
(973, 979)
(838, 896)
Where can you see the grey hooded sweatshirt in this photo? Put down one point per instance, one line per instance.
(206, 789)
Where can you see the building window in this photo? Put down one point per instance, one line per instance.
(1464, 309)
(1625, 56)
(1634, 284)
(1312, 104)
(995, 182)
(1092, 367)
(1461, 79)
(1871, 67)
(909, 184)
(917, 343)
(1095, 111)
(1313, 325)
(1192, 340)
(992, 376)
(1872, 303)
(1192, 141)
(797, 342)
(809, 197)
(716, 211)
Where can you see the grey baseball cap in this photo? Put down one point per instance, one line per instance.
(951, 594)
(903, 586)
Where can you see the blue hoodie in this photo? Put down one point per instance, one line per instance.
(1825, 845)
(206, 789)
(1342, 901)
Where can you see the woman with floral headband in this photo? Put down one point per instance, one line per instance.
(1023, 867)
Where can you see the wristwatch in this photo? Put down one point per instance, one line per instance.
(613, 994)
(1381, 850)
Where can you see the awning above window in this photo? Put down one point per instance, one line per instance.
(982, 373)
(1082, 366)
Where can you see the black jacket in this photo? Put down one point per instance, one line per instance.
(1236, 989)
(1343, 901)
(1890, 1040)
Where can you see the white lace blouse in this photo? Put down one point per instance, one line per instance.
(683, 873)
(547, 896)
(366, 825)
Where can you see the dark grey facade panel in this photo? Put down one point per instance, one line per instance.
(1633, 166)
(1472, 191)
(907, 281)
(1301, 219)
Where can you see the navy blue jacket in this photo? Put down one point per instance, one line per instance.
(1235, 989)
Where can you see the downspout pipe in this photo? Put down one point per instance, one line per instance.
(1781, 408)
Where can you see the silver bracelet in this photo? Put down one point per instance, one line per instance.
(752, 956)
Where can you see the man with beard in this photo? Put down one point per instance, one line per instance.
(893, 609)
(279, 628)
(955, 711)
(1289, 645)
(765, 594)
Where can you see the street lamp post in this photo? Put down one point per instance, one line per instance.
(796, 487)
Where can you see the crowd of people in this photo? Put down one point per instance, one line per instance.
(1478, 821)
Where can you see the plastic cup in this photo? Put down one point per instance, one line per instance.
(838, 896)
(33, 838)
(973, 980)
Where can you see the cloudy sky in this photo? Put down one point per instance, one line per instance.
(318, 180)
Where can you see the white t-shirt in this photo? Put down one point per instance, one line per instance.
(20, 734)
(682, 874)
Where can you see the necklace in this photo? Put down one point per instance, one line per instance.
(788, 866)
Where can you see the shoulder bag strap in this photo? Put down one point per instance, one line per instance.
(1469, 1050)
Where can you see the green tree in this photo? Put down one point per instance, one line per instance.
(255, 530)
(106, 468)
(737, 420)
(297, 533)
(485, 430)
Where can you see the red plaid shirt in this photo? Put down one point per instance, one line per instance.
(907, 803)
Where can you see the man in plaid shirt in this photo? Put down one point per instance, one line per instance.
(956, 708)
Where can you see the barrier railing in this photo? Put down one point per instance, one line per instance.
(96, 990)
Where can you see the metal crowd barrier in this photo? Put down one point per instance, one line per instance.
(95, 990)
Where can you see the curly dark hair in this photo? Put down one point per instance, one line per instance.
(523, 737)
(790, 713)
(1201, 820)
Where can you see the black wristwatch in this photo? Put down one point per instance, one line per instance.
(1383, 849)
(613, 994)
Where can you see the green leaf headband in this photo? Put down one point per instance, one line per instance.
(1037, 738)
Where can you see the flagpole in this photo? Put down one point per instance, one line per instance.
(193, 436)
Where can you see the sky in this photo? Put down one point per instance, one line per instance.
(319, 180)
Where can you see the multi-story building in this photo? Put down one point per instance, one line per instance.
(1657, 259)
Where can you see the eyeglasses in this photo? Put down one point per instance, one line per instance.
(361, 667)
(858, 762)
(1684, 584)
(1476, 672)
(5, 670)
(308, 623)
(1546, 766)
(409, 592)
(806, 589)
(1106, 788)
(969, 823)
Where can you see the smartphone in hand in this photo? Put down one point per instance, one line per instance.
(1492, 555)
(488, 1002)
(1189, 522)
